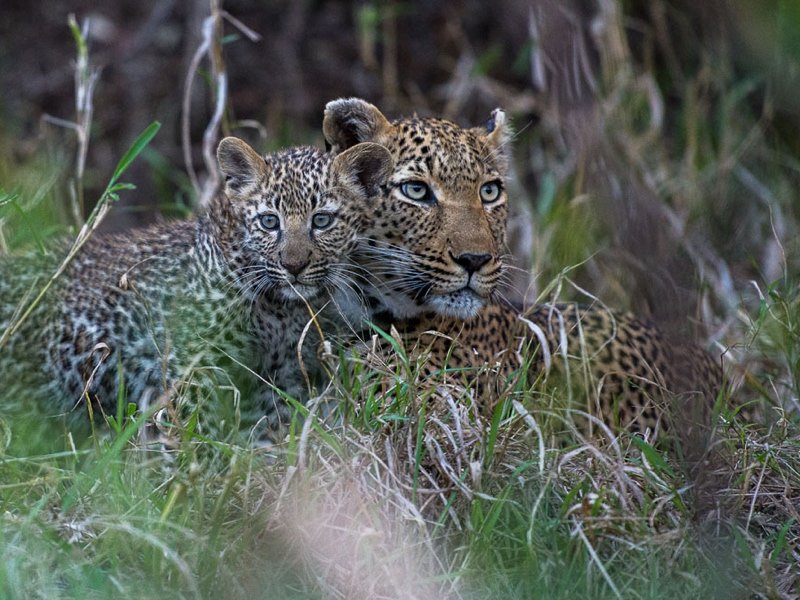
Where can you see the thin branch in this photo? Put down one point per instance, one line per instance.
(187, 104)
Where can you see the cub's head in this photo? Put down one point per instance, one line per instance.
(286, 222)
(437, 231)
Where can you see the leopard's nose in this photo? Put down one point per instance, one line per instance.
(472, 262)
(294, 267)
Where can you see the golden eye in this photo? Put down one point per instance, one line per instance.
(269, 221)
(417, 191)
(321, 220)
(490, 191)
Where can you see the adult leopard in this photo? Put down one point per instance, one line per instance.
(436, 233)
(433, 258)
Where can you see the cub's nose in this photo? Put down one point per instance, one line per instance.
(472, 262)
(295, 267)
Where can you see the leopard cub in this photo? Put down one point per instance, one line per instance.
(227, 295)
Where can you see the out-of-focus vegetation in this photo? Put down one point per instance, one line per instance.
(656, 166)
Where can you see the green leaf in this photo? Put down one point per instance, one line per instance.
(780, 542)
(762, 310)
(7, 197)
(80, 41)
(134, 151)
(422, 418)
(393, 342)
(653, 456)
(121, 186)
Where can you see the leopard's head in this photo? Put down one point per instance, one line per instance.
(437, 232)
(286, 221)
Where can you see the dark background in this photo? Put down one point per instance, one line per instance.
(632, 118)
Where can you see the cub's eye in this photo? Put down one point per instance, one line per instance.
(269, 222)
(417, 191)
(490, 191)
(321, 220)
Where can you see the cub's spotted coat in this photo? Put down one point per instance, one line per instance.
(225, 295)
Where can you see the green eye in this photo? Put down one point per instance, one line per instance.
(417, 191)
(490, 191)
(269, 222)
(322, 220)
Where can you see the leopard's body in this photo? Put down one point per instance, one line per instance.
(434, 250)
(225, 295)
(621, 368)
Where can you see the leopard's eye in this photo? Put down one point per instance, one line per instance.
(269, 221)
(321, 220)
(490, 191)
(417, 191)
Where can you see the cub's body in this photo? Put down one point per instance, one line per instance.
(225, 296)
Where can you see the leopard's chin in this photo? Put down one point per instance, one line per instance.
(298, 292)
(461, 304)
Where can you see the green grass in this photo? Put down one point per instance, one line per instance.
(331, 510)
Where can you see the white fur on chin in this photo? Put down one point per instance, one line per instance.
(462, 304)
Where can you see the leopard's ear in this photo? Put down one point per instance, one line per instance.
(239, 163)
(497, 129)
(497, 134)
(350, 121)
(364, 169)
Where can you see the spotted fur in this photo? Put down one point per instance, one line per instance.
(418, 286)
(226, 295)
(616, 366)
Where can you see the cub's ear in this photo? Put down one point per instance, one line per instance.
(350, 121)
(364, 168)
(239, 163)
(497, 134)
